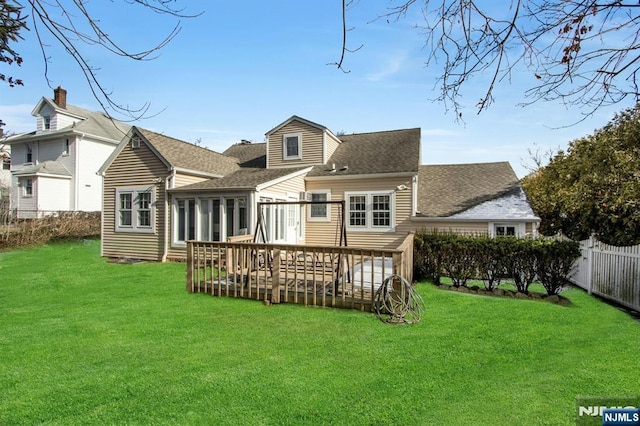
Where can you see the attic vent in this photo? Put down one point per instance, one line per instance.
(135, 142)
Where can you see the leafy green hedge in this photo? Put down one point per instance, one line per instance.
(491, 260)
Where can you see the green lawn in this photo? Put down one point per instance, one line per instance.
(84, 342)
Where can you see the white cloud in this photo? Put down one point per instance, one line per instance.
(391, 66)
(17, 118)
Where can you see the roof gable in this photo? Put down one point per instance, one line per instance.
(70, 110)
(93, 123)
(393, 151)
(296, 118)
(446, 190)
(245, 178)
(178, 154)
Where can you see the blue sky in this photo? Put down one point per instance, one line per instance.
(241, 68)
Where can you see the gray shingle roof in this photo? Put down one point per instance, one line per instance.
(97, 123)
(444, 190)
(91, 123)
(394, 151)
(46, 167)
(185, 155)
(249, 154)
(241, 179)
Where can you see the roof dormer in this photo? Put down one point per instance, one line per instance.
(298, 142)
(55, 114)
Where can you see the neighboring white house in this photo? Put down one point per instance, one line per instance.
(5, 175)
(54, 168)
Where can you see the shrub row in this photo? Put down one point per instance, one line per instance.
(61, 225)
(491, 260)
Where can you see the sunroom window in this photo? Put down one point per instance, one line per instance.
(209, 219)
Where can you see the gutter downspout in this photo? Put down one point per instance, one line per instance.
(167, 218)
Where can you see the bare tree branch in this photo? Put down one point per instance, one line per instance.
(71, 25)
(344, 49)
(584, 53)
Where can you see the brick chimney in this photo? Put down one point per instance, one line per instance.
(60, 97)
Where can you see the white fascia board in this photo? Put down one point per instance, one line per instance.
(196, 172)
(47, 175)
(364, 176)
(55, 134)
(95, 138)
(474, 219)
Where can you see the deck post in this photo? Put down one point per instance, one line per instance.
(190, 267)
(275, 277)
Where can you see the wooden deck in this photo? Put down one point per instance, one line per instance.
(342, 277)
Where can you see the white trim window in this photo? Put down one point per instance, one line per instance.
(292, 146)
(319, 212)
(27, 188)
(209, 218)
(507, 229)
(370, 211)
(135, 210)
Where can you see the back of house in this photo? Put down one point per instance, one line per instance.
(303, 185)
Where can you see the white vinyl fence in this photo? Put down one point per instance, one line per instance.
(609, 271)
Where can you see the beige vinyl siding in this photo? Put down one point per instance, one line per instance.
(182, 179)
(327, 233)
(463, 228)
(312, 140)
(293, 186)
(138, 167)
(177, 254)
(330, 145)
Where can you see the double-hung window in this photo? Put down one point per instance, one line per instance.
(320, 212)
(358, 211)
(28, 188)
(135, 209)
(507, 229)
(371, 211)
(292, 146)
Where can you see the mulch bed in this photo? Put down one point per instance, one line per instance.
(499, 292)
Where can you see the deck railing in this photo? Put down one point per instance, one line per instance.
(344, 277)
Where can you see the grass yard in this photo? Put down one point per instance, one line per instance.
(85, 342)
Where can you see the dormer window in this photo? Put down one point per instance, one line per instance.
(47, 122)
(29, 155)
(292, 146)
